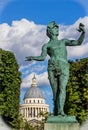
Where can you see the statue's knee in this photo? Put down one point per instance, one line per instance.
(62, 88)
(50, 77)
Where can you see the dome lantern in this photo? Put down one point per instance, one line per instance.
(34, 82)
(34, 91)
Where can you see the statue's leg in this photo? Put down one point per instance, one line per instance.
(53, 83)
(63, 79)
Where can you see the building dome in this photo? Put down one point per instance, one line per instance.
(34, 91)
(34, 104)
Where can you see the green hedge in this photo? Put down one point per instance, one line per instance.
(77, 90)
(10, 80)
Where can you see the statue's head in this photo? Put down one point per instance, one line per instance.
(50, 28)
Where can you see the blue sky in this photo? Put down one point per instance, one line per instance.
(43, 11)
(23, 31)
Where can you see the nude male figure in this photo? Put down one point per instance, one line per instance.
(58, 66)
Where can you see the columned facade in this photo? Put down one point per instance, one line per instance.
(34, 103)
(32, 110)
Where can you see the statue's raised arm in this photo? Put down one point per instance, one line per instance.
(79, 40)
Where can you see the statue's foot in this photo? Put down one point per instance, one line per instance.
(62, 114)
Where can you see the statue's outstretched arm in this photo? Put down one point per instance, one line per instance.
(80, 39)
(39, 58)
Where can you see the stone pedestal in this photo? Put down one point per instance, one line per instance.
(61, 119)
(61, 123)
(61, 126)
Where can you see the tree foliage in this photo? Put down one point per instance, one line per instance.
(77, 90)
(24, 124)
(9, 88)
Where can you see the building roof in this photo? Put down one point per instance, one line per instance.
(34, 91)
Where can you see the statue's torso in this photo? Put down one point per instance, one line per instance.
(57, 50)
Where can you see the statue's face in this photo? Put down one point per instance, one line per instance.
(54, 30)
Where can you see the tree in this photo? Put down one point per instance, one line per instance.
(24, 124)
(10, 80)
(44, 116)
(77, 90)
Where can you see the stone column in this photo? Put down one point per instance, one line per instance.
(31, 111)
(28, 112)
(34, 112)
(38, 112)
(25, 112)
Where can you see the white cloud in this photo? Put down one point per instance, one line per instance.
(27, 66)
(78, 51)
(70, 32)
(34, 66)
(42, 79)
(26, 38)
(23, 38)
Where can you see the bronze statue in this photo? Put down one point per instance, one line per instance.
(58, 66)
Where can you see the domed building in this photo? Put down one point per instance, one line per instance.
(34, 103)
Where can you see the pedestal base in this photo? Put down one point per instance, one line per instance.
(61, 126)
(61, 119)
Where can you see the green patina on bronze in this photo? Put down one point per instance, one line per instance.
(58, 66)
(61, 119)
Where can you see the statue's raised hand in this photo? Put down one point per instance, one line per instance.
(81, 27)
(29, 58)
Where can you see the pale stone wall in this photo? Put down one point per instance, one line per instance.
(3, 126)
(84, 125)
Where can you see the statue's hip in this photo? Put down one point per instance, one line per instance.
(60, 66)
